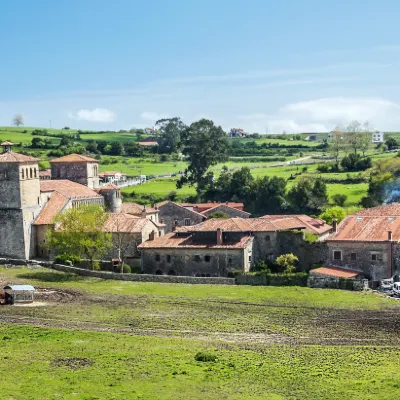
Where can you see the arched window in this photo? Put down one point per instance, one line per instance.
(31, 174)
(35, 171)
(23, 173)
(27, 173)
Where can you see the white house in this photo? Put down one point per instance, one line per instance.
(112, 177)
(378, 137)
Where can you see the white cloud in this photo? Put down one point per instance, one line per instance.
(95, 115)
(324, 114)
(152, 116)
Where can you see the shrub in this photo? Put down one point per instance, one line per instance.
(126, 269)
(235, 273)
(287, 262)
(205, 357)
(323, 168)
(218, 214)
(311, 237)
(261, 266)
(67, 259)
(334, 212)
(339, 199)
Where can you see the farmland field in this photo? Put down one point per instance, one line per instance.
(94, 339)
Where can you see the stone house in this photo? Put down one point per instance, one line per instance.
(202, 207)
(368, 242)
(231, 212)
(173, 214)
(257, 238)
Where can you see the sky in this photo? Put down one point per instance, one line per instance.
(264, 66)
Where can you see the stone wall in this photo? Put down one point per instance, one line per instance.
(330, 282)
(81, 172)
(12, 237)
(358, 256)
(145, 278)
(272, 280)
(169, 212)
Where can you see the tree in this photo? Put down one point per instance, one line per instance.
(318, 196)
(205, 144)
(116, 148)
(333, 213)
(358, 136)
(218, 214)
(391, 143)
(308, 195)
(287, 262)
(79, 233)
(64, 141)
(339, 199)
(336, 146)
(170, 134)
(18, 120)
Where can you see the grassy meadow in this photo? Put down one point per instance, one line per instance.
(127, 340)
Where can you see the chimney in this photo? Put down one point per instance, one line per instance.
(390, 236)
(334, 225)
(219, 236)
(152, 235)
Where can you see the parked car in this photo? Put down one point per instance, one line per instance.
(386, 285)
(396, 289)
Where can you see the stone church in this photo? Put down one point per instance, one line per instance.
(28, 205)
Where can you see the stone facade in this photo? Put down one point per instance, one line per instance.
(20, 203)
(196, 262)
(85, 173)
(169, 212)
(374, 259)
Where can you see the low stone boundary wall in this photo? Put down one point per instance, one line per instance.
(322, 282)
(144, 277)
(272, 280)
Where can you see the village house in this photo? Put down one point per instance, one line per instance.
(45, 175)
(112, 177)
(367, 242)
(138, 210)
(217, 247)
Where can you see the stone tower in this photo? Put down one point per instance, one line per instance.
(112, 197)
(76, 168)
(20, 202)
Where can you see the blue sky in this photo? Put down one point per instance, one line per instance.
(264, 66)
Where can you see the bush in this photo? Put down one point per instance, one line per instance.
(67, 259)
(288, 262)
(339, 199)
(205, 357)
(311, 237)
(127, 269)
(333, 213)
(234, 273)
(323, 168)
(218, 214)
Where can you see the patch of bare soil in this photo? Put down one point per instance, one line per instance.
(57, 295)
(72, 363)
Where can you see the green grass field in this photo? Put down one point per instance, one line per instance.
(93, 339)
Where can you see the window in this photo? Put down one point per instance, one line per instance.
(230, 261)
(374, 257)
(337, 255)
(159, 233)
(187, 221)
(249, 258)
(158, 258)
(35, 173)
(23, 174)
(270, 256)
(31, 175)
(197, 258)
(38, 200)
(207, 258)
(267, 238)
(353, 256)
(168, 258)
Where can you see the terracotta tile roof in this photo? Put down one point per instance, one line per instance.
(125, 223)
(336, 272)
(171, 240)
(223, 205)
(134, 208)
(109, 186)
(201, 207)
(242, 225)
(6, 143)
(73, 158)
(67, 188)
(11, 157)
(367, 229)
(47, 172)
(385, 210)
(56, 203)
(147, 143)
(314, 225)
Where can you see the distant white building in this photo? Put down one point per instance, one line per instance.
(378, 137)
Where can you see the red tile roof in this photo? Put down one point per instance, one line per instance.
(147, 143)
(56, 203)
(74, 158)
(125, 223)
(201, 207)
(336, 272)
(314, 225)
(6, 143)
(67, 188)
(134, 208)
(385, 210)
(243, 225)
(171, 240)
(11, 157)
(109, 186)
(47, 172)
(367, 229)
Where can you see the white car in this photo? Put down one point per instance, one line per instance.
(387, 284)
(396, 289)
